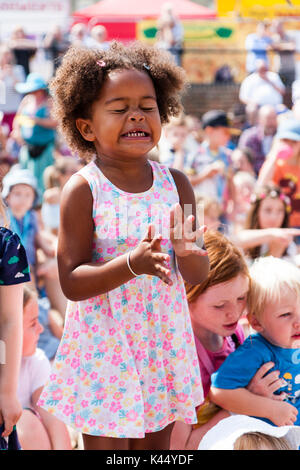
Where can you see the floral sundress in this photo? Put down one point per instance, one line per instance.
(127, 363)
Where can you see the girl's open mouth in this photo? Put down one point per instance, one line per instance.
(136, 135)
(231, 326)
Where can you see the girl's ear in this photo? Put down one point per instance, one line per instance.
(254, 323)
(85, 129)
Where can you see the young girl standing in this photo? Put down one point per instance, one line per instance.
(127, 367)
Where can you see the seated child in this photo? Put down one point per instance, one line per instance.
(241, 432)
(37, 429)
(274, 312)
(52, 324)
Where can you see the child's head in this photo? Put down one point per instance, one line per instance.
(31, 326)
(212, 211)
(243, 160)
(244, 183)
(216, 127)
(58, 174)
(98, 101)
(218, 302)
(288, 133)
(176, 132)
(273, 301)
(260, 441)
(19, 191)
(270, 208)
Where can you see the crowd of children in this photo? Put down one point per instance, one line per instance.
(148, 235)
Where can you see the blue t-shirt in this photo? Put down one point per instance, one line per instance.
(14, 267)
(241, 365)
(257, 49)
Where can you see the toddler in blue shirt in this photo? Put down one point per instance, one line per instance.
(274, 312)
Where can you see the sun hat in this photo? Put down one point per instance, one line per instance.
(34, 82)
(289, 129)
(217, 118)
(18, 176)
(228, 430)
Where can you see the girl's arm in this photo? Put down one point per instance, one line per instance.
(242, 401)
(81, 278)
(56, 429)
(267, 170)
(11, 334)
(193, 264)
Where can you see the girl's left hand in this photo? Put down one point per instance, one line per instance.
(185, 240)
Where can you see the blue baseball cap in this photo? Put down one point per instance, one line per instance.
(289, 129)
(34, 82)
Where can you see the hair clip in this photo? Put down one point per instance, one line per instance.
(146, 66)
(101, 63)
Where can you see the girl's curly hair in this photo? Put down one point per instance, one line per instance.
(78, 82)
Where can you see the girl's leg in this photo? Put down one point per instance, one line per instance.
(159, 440)
(104, 443)
(32, 433)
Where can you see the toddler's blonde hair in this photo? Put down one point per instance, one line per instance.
(259, 441)
(270, 279)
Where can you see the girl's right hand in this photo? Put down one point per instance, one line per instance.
(147, 257)
(10, 412)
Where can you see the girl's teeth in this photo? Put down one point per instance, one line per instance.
(136, 134)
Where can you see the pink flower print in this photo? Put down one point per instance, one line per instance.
(52, 377)
(75, 334)
(76, 316)
(132, 415)
(118, 396)
(112, 425)
(167, 300)
(151, 389)
(92, 422)
(57, 394)
(167, 345)
(106, 187)
(88, 356)
(137, 326)
(181, 354)
(139, 307)
(83, 374)
(186, 380)
(113, 379)
(68, 410)
(167, 185)
(111, 250)
(107, 203)
(64, 350)
(95, 328)
(84, 403)
(117, 305)
(177, 307)
(102, 347)
(165, 362)
(182, 397)
(147, 407)
(101, 394)
(157, 407)
(130, 241)
(114, 407)
(79, 421)
(111, 331)
(75, 363)
(116, 359)
(137, 397)
(93, 375)
(156, 195)
(70, 381)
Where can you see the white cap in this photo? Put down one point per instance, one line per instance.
(228, 430)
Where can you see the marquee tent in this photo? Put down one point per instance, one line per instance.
(112, 10)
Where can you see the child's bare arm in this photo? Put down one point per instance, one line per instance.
(193, 267)
(81, 278)
(242, 401)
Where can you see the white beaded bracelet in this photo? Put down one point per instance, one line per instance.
(128, 264)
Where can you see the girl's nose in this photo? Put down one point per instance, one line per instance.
(136, 117)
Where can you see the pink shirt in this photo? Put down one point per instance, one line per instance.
(211, 361)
